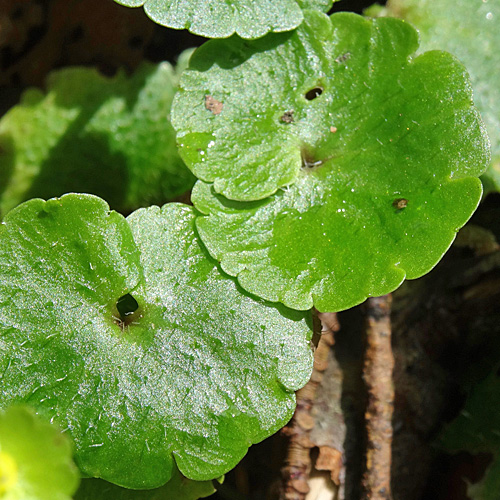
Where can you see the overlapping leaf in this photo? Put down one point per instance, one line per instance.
(178, 488)
(107, 136)
(477, 429)
(198, 371)
(222, 18)
(381, 163)
(468, 29)
(35, 458)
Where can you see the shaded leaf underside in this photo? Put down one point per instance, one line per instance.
(107, 136)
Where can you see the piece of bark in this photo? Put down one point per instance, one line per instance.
(379, 364)
(295, 473)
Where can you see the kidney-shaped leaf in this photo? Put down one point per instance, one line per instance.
(389, 149)
(331, 240)
(470, 31)
(107, 136)
(35, 458)
(125, 333)
(222, 18)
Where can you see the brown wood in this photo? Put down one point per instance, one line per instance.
(379, 365)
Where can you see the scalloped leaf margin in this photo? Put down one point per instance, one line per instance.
(382, 194)
(249, 19)
(197, 371)
(470, 31)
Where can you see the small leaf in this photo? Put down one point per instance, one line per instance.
(88, 133)
(221, 19)
(197, 372)
(35, 458)
(360, 103)
(470, 31)
(178, 488)
(477, 429)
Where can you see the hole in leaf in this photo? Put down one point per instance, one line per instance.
(126, 305)
(313, 93)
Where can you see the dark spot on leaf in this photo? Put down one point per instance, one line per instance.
(287, 116)
(313, 93)
(343, 58)
(213, 105)
(42, 214)
(400, 203)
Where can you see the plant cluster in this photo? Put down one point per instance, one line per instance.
(332, 162)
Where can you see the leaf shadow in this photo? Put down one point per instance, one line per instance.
(82, 160)
(231, 52)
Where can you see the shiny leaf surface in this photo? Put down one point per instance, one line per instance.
(221, 18)
(197, 373)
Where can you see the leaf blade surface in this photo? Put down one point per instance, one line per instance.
(199, 371)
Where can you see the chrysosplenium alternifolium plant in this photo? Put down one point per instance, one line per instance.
(332, 163)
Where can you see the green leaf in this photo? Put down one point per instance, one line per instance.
(383, 192)
(35, 458)
(178, 488)
(470, 31)
(341, 93)
(198, 372)
(222, 18)
(477, 429)
(88, 133)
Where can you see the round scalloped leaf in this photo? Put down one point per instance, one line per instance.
(469, 30)
(221, 18)
(178, 488)
(125, 333)
(382, 192)
(35, 458)
(340, 93)
(89, 133)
